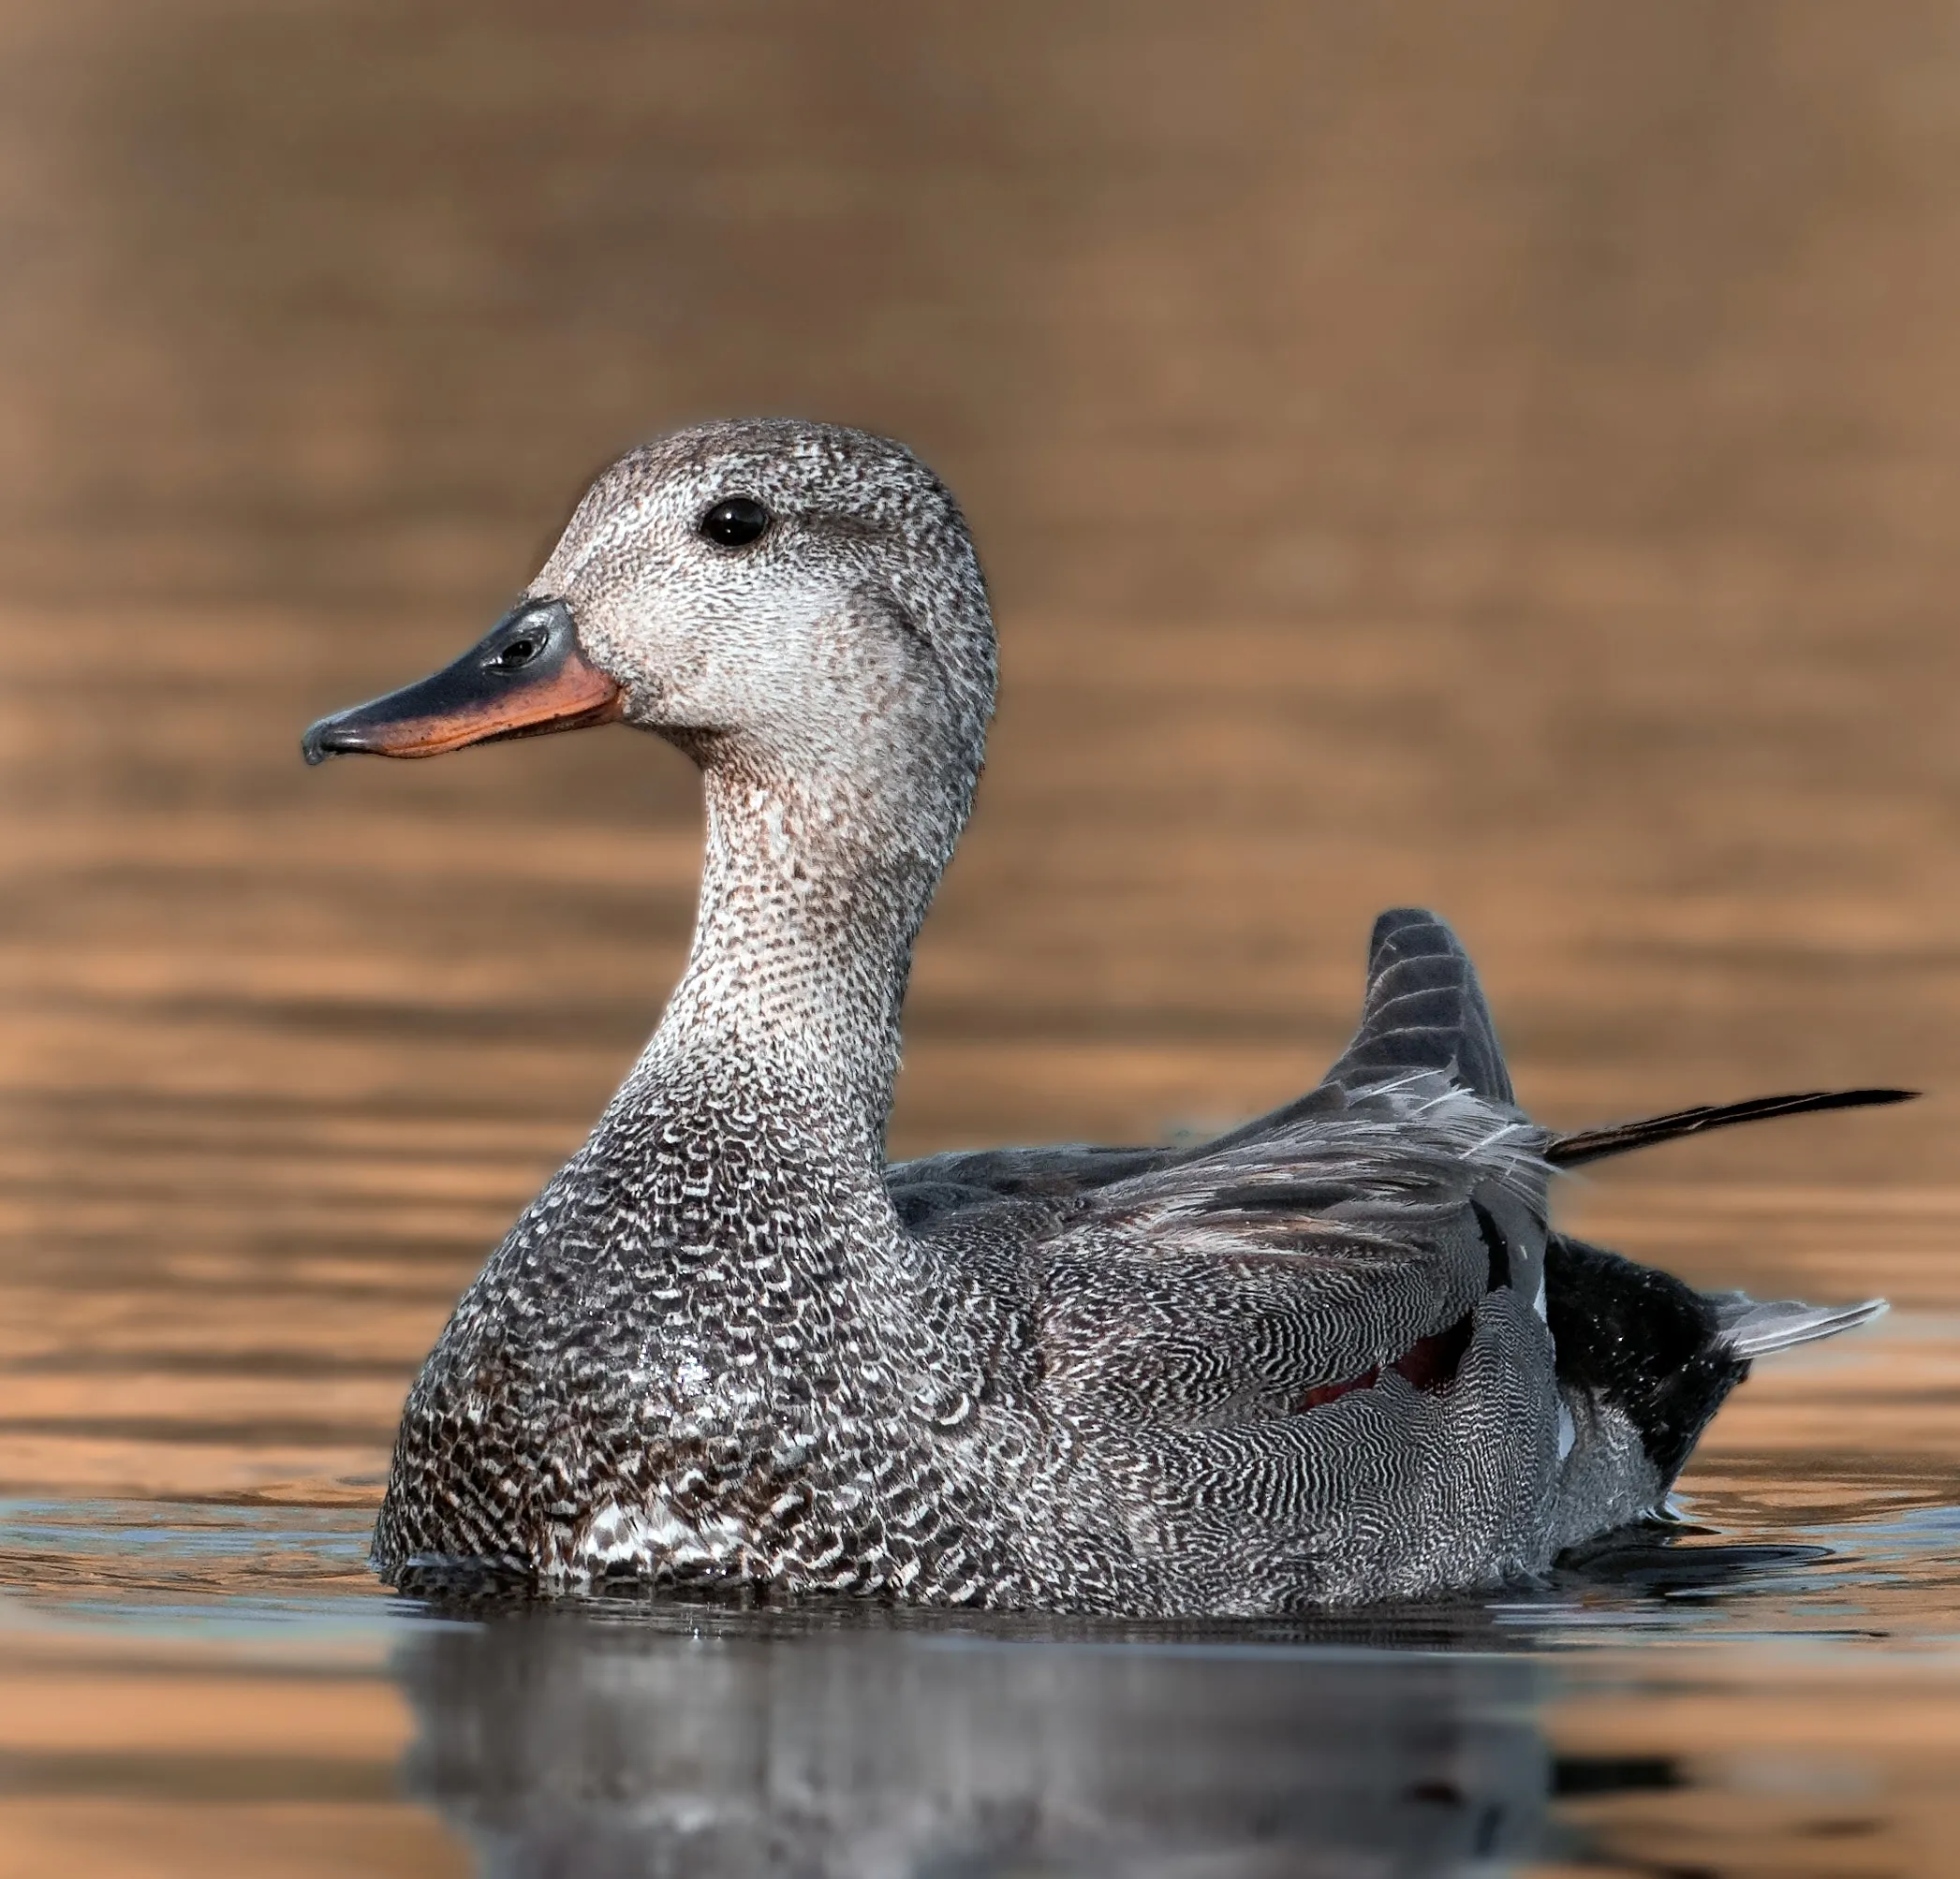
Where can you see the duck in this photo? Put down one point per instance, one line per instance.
(1338, 1355)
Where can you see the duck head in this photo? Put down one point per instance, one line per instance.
(788, 602)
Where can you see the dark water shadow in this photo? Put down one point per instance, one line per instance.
(692, 1736)
(560, 1742)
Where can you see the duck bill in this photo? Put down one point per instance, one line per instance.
(527, 676)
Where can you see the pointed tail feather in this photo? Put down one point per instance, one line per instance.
(1752, 1328)
(1585, 1145)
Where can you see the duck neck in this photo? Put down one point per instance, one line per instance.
(810, 903)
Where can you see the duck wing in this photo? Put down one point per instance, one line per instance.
(928, 1190)
(1272, 1275)
(1424, 1010)
(1351, 1225)
(1351, 1233)
(1307, 1358)
(938, 1183)
(1365, 1220)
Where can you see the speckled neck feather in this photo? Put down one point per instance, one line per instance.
(803, 945)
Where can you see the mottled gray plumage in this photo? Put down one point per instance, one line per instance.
(1309, 1361)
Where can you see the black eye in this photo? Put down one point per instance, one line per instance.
(735, 523)
(518, 653)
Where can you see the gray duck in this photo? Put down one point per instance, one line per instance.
(1335, 1355)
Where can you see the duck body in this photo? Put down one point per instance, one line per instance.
(1082, 1402)
(1337, 1355)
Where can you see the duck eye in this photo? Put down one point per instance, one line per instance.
(735, 523)
(518, 651)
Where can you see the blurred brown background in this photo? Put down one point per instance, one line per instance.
(1499, 457)
(1503, 456)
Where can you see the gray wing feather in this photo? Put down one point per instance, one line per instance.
(1184, 1308)
(1414, 1142)
(938, 1185)
(1307, 1254)
(1425, 1011)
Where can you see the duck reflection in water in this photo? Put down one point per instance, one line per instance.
(710, 1743)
